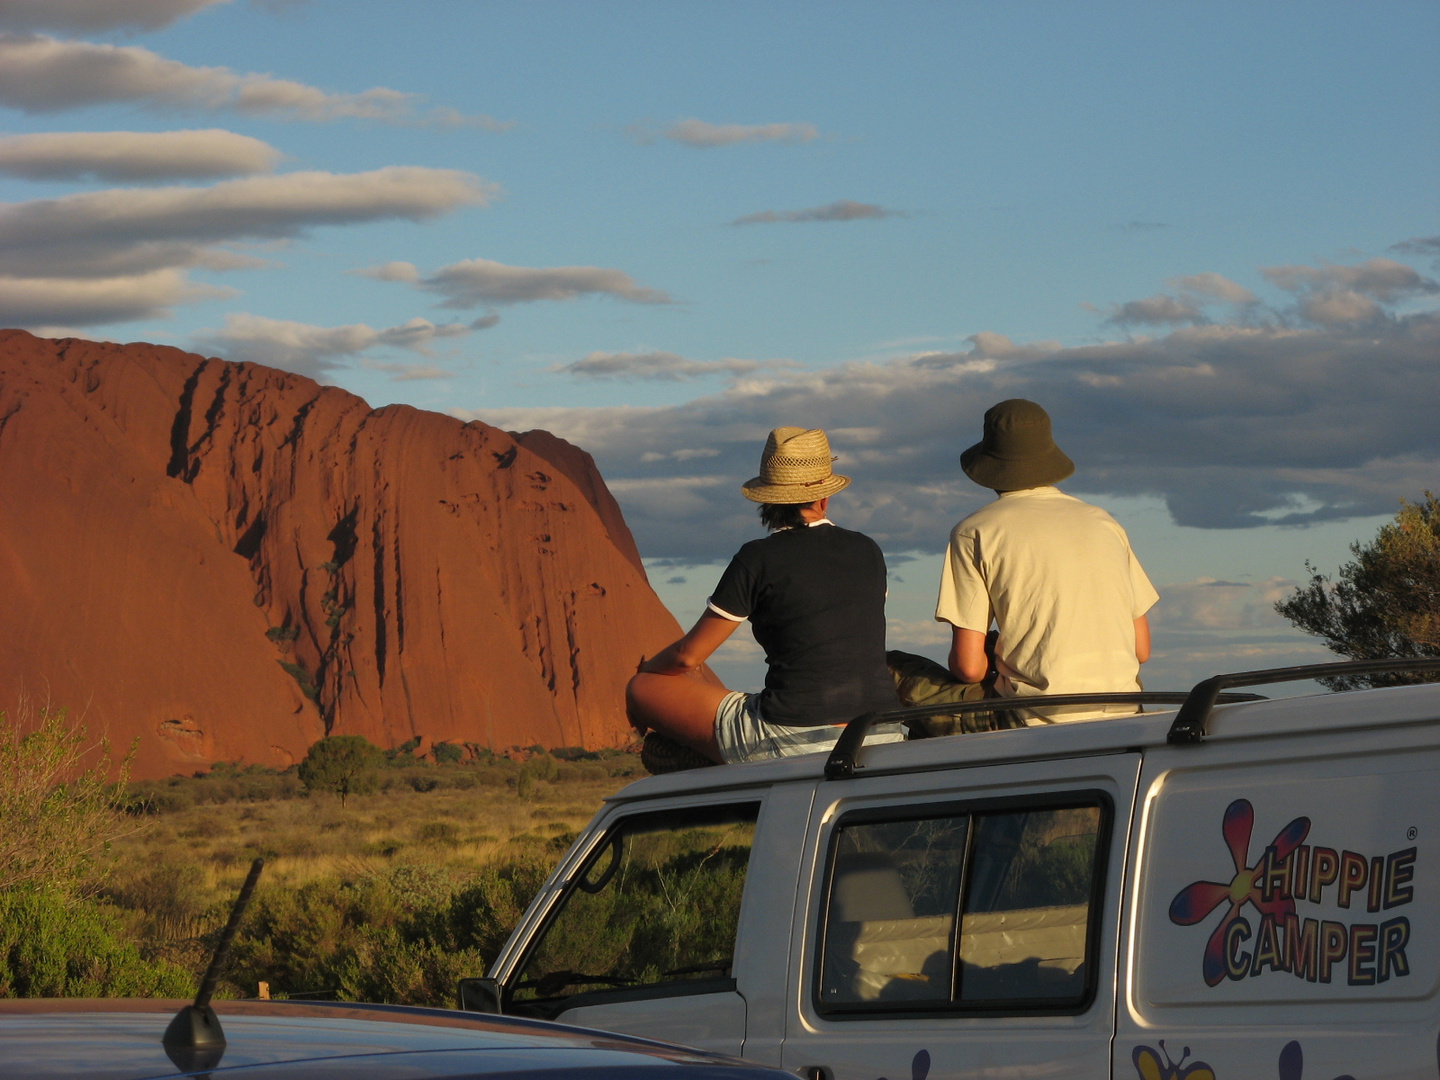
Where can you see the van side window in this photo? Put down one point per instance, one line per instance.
(1019, 881)
(656, 904)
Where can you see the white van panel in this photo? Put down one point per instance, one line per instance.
(1284, 919)
(714, 1022)
(947, 1046)
(1322, 886)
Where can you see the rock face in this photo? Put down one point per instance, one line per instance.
(229, 561)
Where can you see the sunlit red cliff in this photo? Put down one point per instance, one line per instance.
(228, 561)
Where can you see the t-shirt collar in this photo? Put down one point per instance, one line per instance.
(1046, 489)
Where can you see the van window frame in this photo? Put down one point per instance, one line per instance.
(1079, 798)
(547, 1008)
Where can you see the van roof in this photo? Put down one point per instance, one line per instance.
(1368, 709)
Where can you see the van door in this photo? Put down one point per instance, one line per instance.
(640, 936)
(961, 923)
(1285, 920)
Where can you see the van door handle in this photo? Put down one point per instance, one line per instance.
(815, 1072)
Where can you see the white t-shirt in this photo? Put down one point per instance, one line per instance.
(1058, 578)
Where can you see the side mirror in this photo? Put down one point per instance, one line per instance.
(479, 995)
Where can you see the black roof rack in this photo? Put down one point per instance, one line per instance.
(1190, 721)
(843, 758)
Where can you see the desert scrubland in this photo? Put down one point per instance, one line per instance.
(415, 881)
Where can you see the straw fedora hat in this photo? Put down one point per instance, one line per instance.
(1017, 451)
(795, 468)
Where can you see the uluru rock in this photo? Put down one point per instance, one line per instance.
(228, 561)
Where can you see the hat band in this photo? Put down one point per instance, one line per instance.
(800, 462)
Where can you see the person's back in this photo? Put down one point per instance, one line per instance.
(814, 595)
(1055, 575)
(824, 641)
(1063, 586)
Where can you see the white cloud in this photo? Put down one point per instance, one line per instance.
(94, 16)
(1338, 306)
(844, 210)
(314, 350)
(667, 495)
(408, 372)
(1213, 286)
(1157, 310)
(482, 281)
(40, 74)
(1382, 279)
(1211, 604)
(1253, 422)
(36, 301)
(127, 231)
(701, 133)
(1334, 295)
(390, 271)
(663, 366)
(917, 635)
(135, 155)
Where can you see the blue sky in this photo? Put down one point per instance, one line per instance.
(1203, 235)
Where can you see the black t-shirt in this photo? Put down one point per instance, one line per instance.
(815, 598)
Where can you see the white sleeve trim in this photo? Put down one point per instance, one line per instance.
(710, 604)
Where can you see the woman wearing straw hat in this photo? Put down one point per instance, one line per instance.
(814, 595)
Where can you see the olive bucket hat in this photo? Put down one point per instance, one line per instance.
(795, 468)
(1017, 451)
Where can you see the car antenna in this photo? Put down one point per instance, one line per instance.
(196, 1027)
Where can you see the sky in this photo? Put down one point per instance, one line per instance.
(1204, 236)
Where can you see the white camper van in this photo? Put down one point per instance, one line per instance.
(1226, 891)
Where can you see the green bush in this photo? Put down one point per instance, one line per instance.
(170, 896)
(539, 767)
(225, 782)
(448, 753)
(402, 936)
(57, 946)
(344, 764)
(58, 803)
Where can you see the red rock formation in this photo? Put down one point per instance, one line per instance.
(174, 529)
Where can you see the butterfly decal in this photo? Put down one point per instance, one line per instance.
(1292, 1063)
(1149, 1066)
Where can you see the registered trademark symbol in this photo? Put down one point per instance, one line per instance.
(1411, 833)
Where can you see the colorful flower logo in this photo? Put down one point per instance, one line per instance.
(1200, 898)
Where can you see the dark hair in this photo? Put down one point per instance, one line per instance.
(782, 515)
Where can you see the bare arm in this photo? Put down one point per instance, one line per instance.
(1142, 638)
(692, 650)
(968, 661)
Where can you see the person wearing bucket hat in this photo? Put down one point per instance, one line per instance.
(814, 595)
(1055, 575)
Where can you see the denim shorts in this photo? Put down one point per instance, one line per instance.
(745, 735)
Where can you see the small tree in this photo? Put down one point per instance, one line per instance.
(344, 764)
(60, 799)
(1386, 602)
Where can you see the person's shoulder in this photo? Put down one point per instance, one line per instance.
(1080, 506)
(753, 551)
(1082, 515)
(836, 534)
(973, 522)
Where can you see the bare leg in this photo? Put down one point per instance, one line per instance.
(680, 707)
